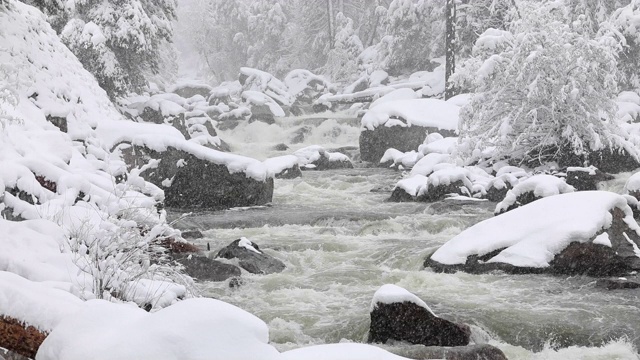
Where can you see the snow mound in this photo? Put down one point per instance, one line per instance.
(633, 183)
(191, 329)
(258, 80)
(343, 351)
(433, 113)
(541, 186)
(309, 155)
(399, 94)
(40, 305)
(532, 240)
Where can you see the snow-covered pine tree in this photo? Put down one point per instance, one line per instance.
(118, 41)
(546, 97)
(265, 41)
(625, 20)
(342, 59)
(417, 32)
(476, 16)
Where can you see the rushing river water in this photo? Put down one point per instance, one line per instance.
(341, 241)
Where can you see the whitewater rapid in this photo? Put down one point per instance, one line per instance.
(341, 241)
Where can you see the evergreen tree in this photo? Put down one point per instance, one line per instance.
(118, 41)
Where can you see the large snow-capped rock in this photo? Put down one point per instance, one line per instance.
(397, 314)
(590, 232)
(404, 124)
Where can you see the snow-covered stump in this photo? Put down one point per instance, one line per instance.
(250, 257)
(588, 232)
(397, 314)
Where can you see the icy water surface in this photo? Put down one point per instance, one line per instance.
(341, 242)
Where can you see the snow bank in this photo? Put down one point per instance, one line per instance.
(531, 239)
(419, 112)
(190, 329)
(541, 185)
(344, 351)
(40, 305)
(399, 94)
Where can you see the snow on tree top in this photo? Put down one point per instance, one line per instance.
(531, 235)
(419, 112)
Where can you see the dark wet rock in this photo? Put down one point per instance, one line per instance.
(192, 234)
(374, 143)
(300, 134)
(228, 124)
(496, 195)
(470, 352)
(617, 284)
(151, 115)
(280, 147)
(584, 179)
(204, 269)
(189, 90)
(59, 122)
(250, 257)
(236, 282)
(521, 200)
(262, 113)
(588, 259)
(412, 323)
(434, 193)
(197, 183)
(290, 173)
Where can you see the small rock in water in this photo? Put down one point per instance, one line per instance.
(251, 258)
(236, 282)
(205, 269)
(281, 147)
(617, 284)
(399, 315)
(192, 234)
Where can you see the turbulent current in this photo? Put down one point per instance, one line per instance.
(341, 241)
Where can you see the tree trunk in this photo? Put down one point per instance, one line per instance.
(330, 20)
(20, 338)
(450, 47)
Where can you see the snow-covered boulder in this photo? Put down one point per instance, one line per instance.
(260, 81)
(250, 257)
(532, 189)
(447, 179)
(188, 330)
(284, 167)
(193, 176)
(632, 186)
(397, 314)
(263, 108)
(586, 232)
(404, 124)
(306, 87)
(189, 89)
(315, 157)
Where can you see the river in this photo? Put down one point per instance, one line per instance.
(341, 241)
